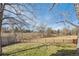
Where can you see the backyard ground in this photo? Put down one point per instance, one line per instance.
(42, 47)
(35, 49)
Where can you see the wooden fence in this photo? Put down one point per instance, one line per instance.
(9, 40)
(35, 38)
(66, 41)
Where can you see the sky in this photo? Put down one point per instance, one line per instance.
(55, 15)
(44, 16)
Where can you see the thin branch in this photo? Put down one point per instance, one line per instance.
(18, 14)
(71, 23)
(11, 12)
(27, 9)
(66, 21)
(16, 20)
(52, 6)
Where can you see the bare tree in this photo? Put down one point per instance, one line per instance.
(19, 13)
(67, 21)
(41, 28)
(1, 19)
(49, 31)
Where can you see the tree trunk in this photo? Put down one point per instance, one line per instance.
(78, 43)
(0, 41)
(1, 18)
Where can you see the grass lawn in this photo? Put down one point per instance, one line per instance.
(37, 49)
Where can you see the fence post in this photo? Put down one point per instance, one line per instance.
(54, 41)
(63, 40)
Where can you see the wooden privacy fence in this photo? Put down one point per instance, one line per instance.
(66, 41)
(9, 40)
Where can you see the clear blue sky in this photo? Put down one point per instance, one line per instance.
(50, 17)
(44, 16)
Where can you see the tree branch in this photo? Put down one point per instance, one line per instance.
(18, 14)
(52, 6)
(66, 21)
(71, 23)
(18, 21)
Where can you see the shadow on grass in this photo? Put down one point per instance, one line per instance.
(62, 52)
(65, 53)
(24, 50)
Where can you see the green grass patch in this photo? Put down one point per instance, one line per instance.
(37, 49)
